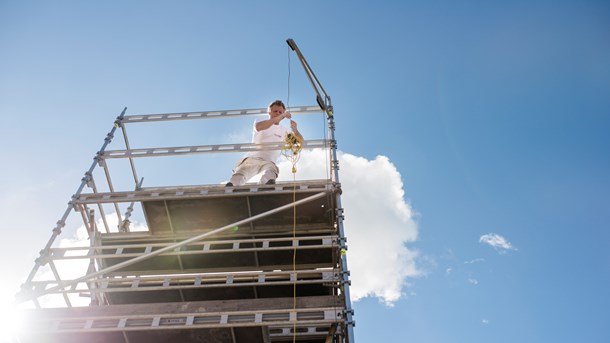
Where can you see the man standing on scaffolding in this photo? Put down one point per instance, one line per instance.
(265, 131)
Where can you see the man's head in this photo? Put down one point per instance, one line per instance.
(276, 108)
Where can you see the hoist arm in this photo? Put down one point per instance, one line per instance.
(321, 97)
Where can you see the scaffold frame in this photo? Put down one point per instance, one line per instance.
(111, 252)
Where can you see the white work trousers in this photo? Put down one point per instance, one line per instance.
(247, 167)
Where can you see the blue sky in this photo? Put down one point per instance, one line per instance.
(496, 115)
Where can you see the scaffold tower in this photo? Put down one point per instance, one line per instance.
(251, 263)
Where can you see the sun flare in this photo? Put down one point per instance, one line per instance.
(11, 318)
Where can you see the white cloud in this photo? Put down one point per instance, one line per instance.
(81, 237)
(378, 222)
(240, 136)
(71, 269)
(484, 321)
(476, 260)
(473, 281)
(498, 242)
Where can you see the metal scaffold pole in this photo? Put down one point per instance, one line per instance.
(42, 259)
(325, 104)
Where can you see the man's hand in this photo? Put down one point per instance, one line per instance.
(287, 115)
(295, 130)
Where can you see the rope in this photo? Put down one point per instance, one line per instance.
(292, 152)
(294, 254)
(288, 97)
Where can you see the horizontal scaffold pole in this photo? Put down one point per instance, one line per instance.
(88, 277)
(207, 149)
(214, 114)
(155, 194)
(207, 280)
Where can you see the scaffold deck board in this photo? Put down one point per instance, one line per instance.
(203, 191)
(206, 286)
(248, 256)
(125, 247)
(238, 321)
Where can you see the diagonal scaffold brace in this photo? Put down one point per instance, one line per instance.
(86, 181)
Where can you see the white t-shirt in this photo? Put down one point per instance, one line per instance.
(276, 133)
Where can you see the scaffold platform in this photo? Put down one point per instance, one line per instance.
(214, 263)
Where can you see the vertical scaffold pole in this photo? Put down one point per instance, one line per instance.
(325, 104)
(345, 283)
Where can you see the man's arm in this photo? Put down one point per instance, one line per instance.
(265, 124)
